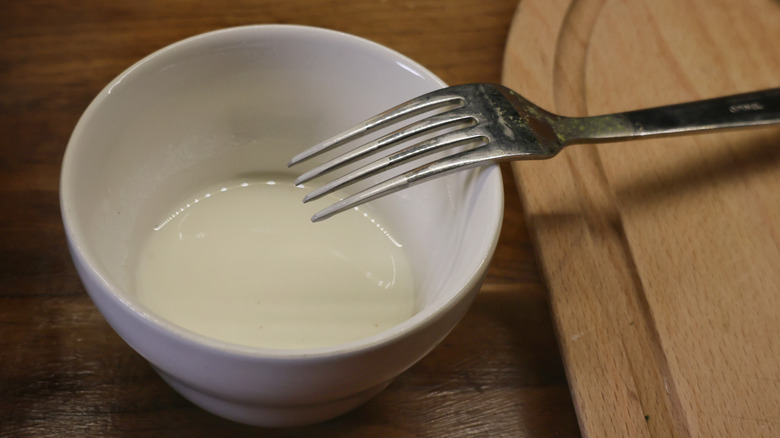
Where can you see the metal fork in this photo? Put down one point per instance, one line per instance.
(492, 123)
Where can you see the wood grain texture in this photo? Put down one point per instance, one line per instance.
(63, 371)
(662, 255)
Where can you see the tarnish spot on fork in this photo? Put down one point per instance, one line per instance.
(542, 130)
(502, 119)
(593, 129)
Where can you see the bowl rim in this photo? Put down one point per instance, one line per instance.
(426, 316)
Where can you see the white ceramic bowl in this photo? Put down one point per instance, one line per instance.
(245, 100)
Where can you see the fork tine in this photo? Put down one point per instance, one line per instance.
(475, 157)
(450, 139)
(406, 110)
(421, 127)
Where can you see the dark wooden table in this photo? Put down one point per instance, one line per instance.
(64, 372)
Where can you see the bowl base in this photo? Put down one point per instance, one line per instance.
(272, 416)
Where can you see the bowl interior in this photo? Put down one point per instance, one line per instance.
(244, 101)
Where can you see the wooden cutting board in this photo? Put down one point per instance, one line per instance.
(662, 257)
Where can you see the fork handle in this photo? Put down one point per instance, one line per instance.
(739, 110)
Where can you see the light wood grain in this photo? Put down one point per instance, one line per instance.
(662, 256)
(63, 371)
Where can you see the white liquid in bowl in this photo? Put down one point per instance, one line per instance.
(241, 262)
